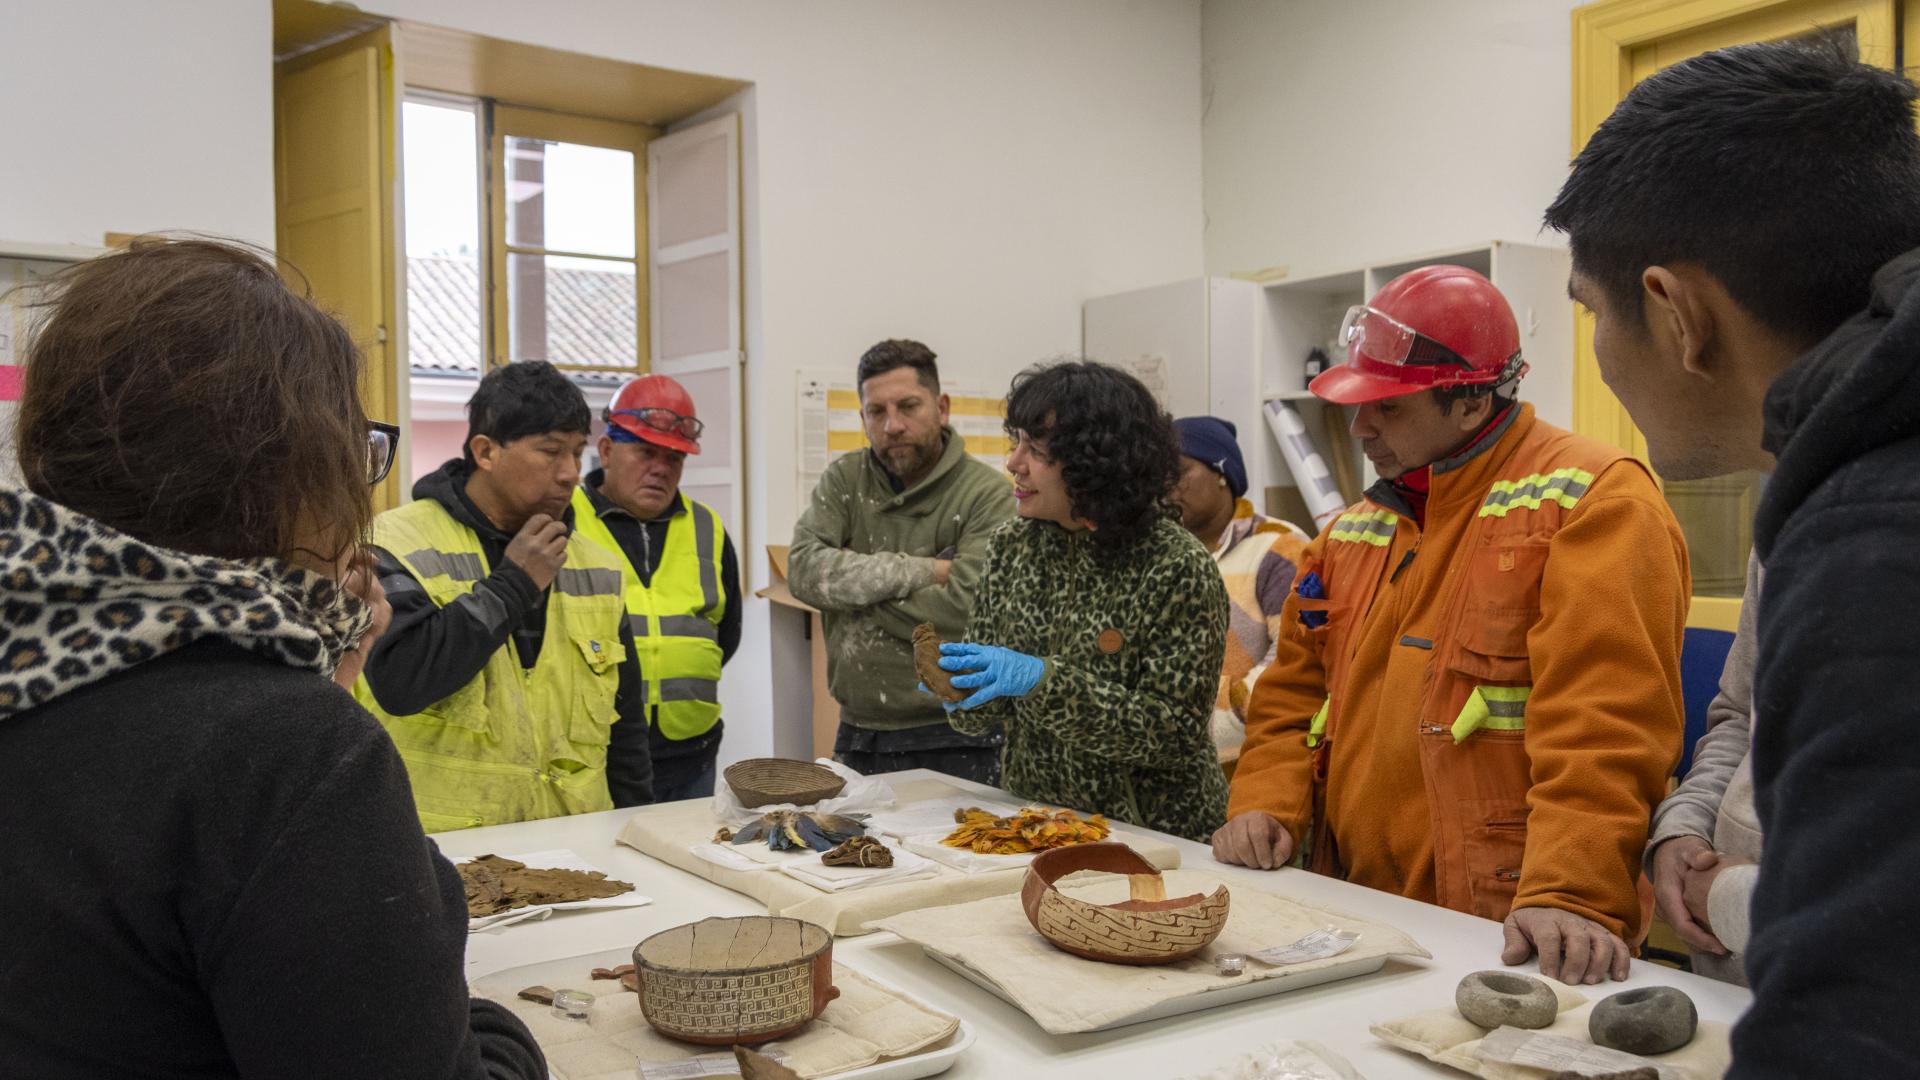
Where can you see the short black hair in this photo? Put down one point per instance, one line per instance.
(530, 397)
(1789, 171)
(898, 353)
(1115, 444)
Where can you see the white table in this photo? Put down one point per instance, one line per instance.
(1009, 1043)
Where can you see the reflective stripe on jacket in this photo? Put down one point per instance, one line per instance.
(514, 743)
(1491, 706)
(676, 619)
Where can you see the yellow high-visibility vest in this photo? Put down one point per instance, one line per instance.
(514, 743)
(675, 620)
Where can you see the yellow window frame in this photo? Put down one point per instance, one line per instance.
(1616, 43)
(505, 121)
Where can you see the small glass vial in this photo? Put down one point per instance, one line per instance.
(572, 1004)
(1226, 964)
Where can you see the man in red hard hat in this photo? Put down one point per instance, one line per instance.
(681, 579)
(1475, 700)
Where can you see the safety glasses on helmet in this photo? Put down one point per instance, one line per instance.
(665, 420)
(1385, 339)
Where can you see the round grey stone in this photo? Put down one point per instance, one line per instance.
(1494, 999)
(1652, 1020)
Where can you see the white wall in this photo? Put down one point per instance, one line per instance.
(965, 174)
(129, 117)
(1340, 133)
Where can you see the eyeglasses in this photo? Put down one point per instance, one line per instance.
(382, 441)
(665, 420)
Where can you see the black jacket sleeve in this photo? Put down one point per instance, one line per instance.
(730, 618)
(429, 651)
(629, 758)
(1837, 781)
(343, 951)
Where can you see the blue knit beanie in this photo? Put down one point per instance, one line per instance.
(1210, 440)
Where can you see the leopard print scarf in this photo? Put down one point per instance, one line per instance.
(80, 601)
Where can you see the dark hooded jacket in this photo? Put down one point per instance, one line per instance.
(1837, 748)
(428, 651)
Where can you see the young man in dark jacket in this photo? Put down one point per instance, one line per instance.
(508, 680)
(1729, 223)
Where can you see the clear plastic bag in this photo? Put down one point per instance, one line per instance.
(1291, 1060)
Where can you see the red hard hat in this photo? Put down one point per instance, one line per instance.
(658, 409)
(1432, 327)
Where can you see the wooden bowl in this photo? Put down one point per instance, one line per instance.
(1147, 928)
(741, 980)
(760, 781)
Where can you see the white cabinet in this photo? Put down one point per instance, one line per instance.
(1204, 334)
(1230, 346)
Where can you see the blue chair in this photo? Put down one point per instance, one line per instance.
(1703, 653)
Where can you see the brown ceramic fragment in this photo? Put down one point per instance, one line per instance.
(926, 664)
(495, 884)
(757, 1066)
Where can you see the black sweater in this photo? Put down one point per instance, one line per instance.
(214, 870)
(1837, 726)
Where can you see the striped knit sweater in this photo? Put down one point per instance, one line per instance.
(1257, 556)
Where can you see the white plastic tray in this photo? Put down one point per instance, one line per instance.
(567, 971)
(1244, 990)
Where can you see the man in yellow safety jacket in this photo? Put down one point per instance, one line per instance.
(678, 571)
(507, 678)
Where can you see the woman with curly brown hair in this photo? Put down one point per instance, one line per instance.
(1099, 626)
(216, 866)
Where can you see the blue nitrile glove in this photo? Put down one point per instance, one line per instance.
(992, 672)
(1312, 588)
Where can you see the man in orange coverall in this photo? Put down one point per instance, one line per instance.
(1476, 698)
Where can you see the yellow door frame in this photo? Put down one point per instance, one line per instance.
(1618, 42)
(368, 59)
(509, 120)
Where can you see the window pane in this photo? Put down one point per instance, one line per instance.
(693, 193)
(572, 311)
(711, 399)
(1716, 515)
(568, 197)
(442, 160)
(693, 311)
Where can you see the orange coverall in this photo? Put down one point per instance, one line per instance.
(1492, 707)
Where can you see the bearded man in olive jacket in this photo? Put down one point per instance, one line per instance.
(896, 535)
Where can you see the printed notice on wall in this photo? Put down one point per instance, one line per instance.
(828, 424)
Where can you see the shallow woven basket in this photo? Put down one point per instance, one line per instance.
(759, 781)
(735, 980)
(1147, 928)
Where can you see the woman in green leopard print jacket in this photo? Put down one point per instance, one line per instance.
(1099, 625)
